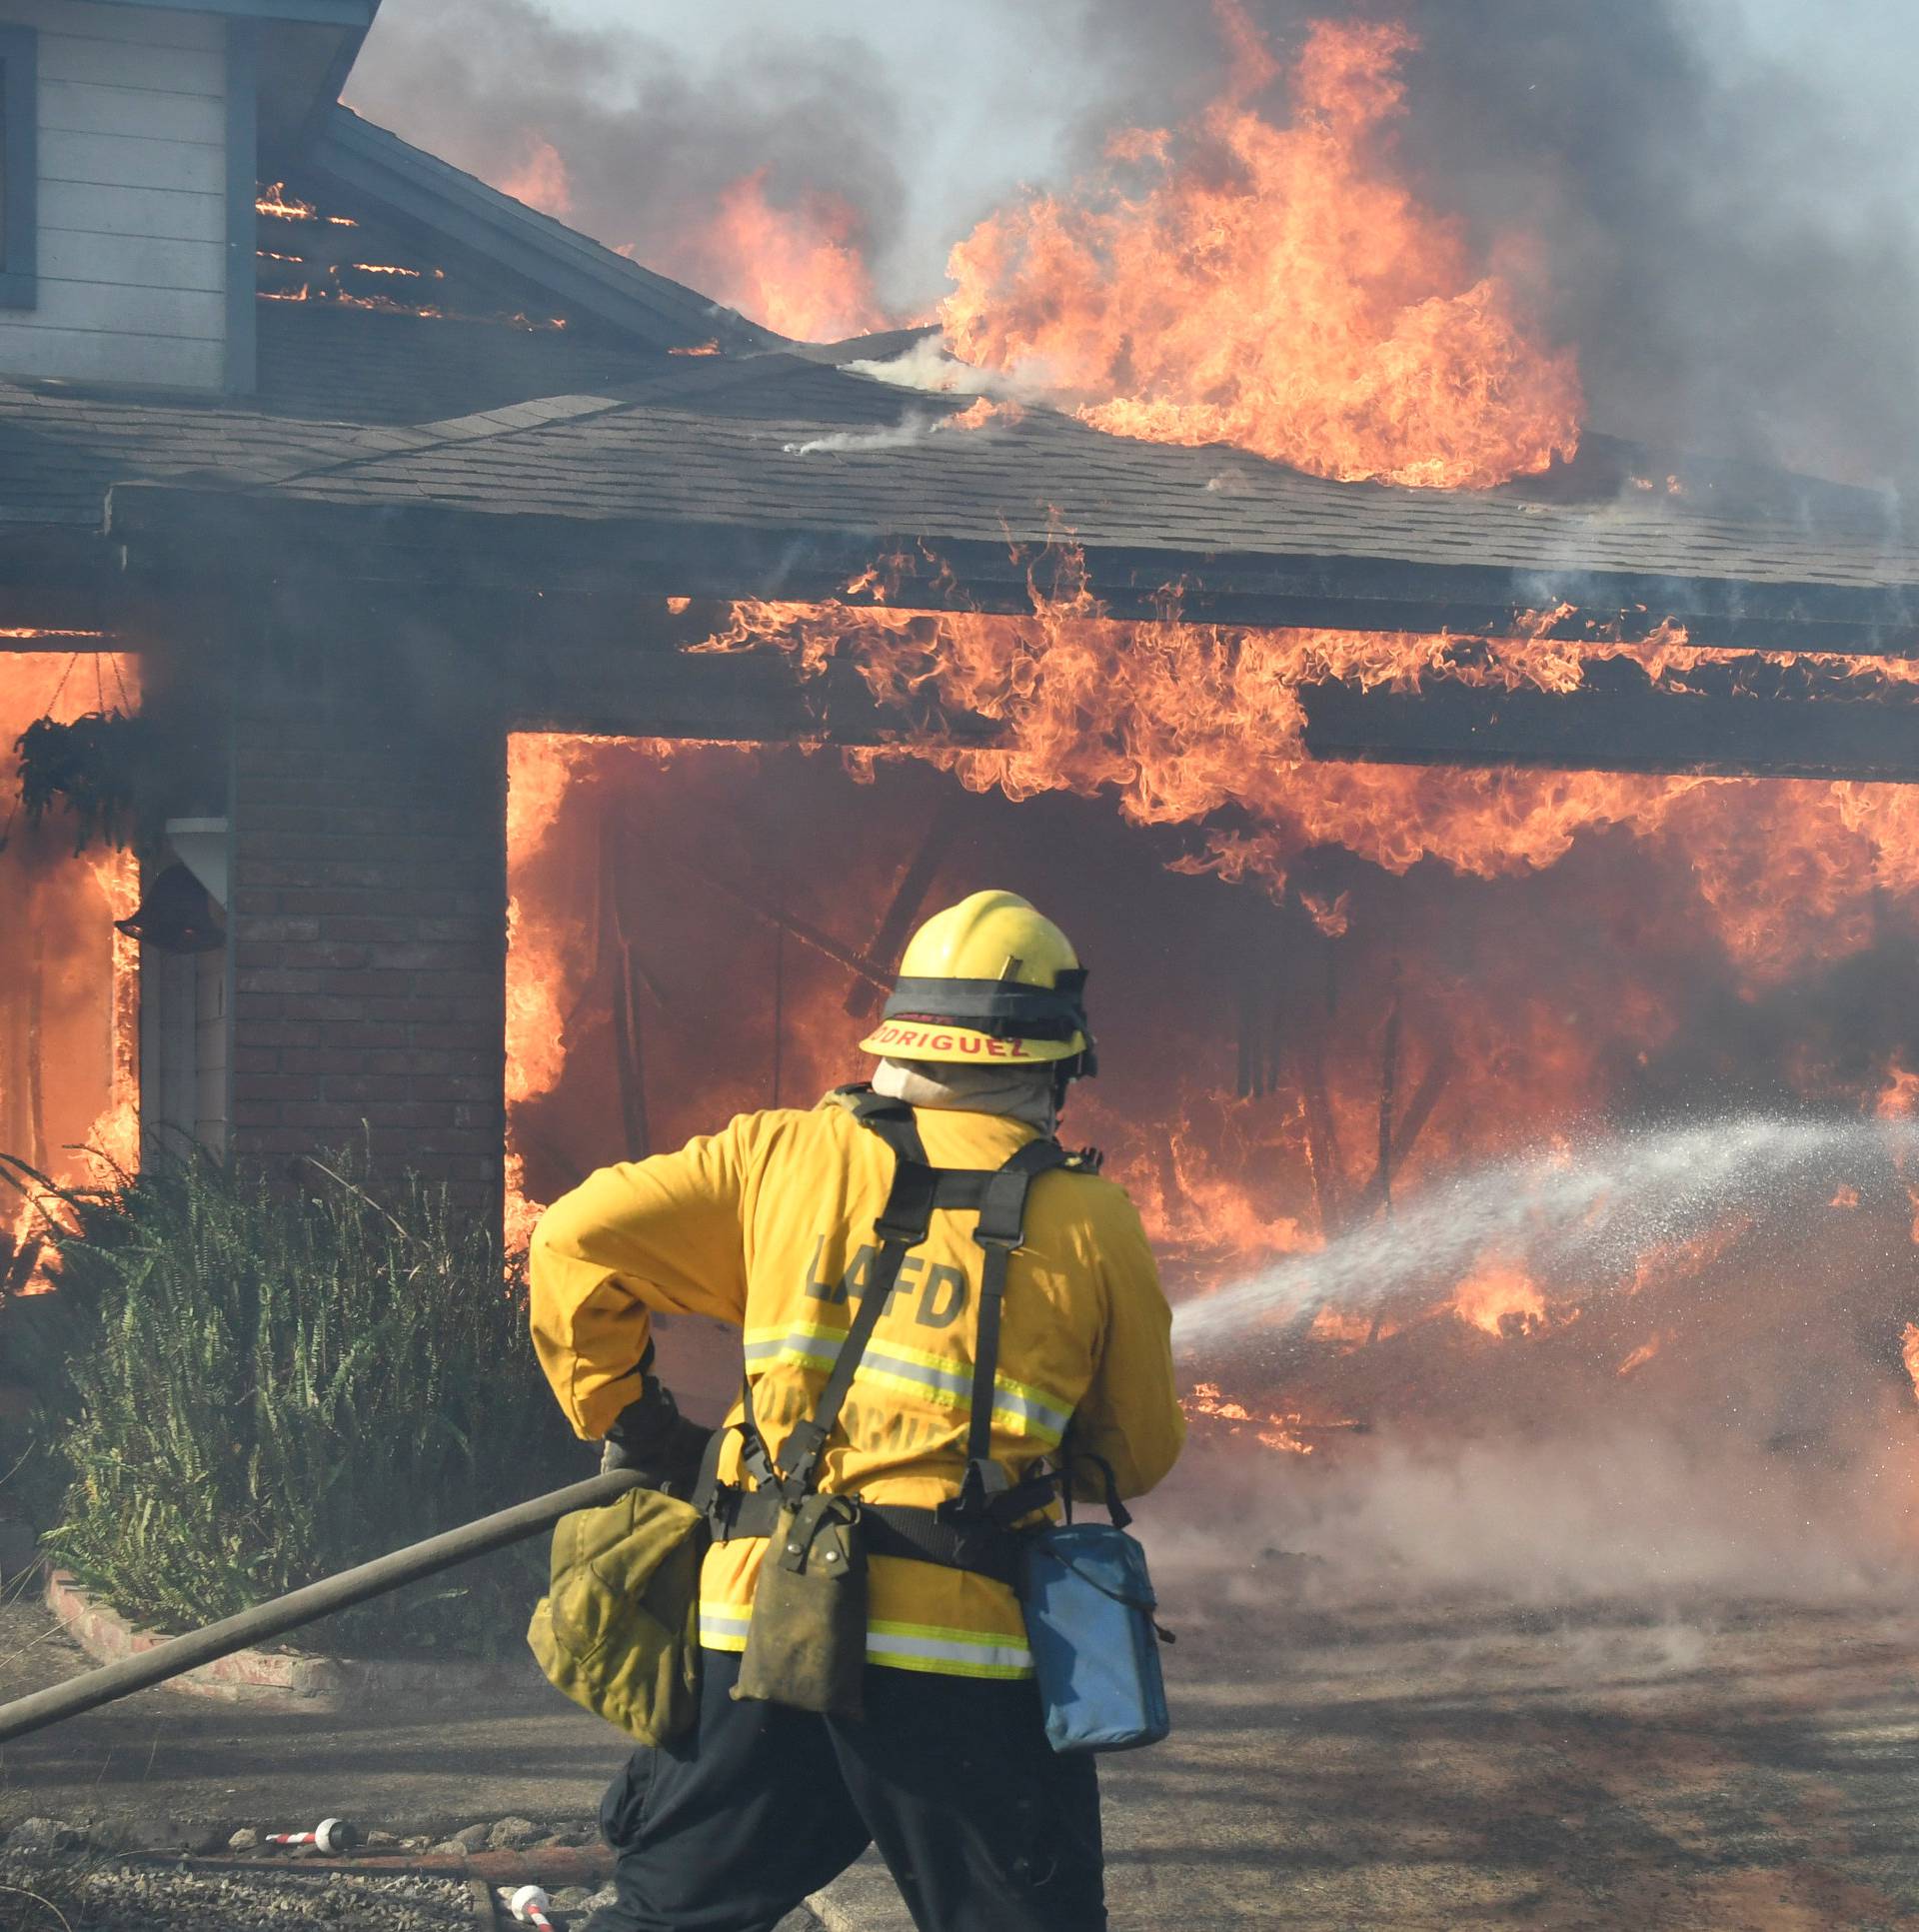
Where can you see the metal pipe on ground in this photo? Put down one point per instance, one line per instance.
(284, 1614)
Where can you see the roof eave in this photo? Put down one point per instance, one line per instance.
(579, 272)
(429, 548)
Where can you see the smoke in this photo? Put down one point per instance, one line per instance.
(1660, 1516)
(613, 132)
(984, 418)
(1724, 235)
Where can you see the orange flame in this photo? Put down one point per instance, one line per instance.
(1272, 288)
(540, 768)
(276, 203)
(797, 269)
(1899, 1098)
(69, 986)
(1500, 1300)
(1202, 726)
(540, 180)
(1285, 1433)
(984, 412)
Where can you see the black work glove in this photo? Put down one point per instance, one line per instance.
(652, 1436)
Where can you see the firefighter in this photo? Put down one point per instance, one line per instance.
(769, 1225)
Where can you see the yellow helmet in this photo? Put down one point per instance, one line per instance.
(988, 980)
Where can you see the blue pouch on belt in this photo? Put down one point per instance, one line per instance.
(1089, 1604)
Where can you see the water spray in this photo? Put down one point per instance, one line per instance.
(1588, 1211)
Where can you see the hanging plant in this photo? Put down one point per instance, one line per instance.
(92, 767)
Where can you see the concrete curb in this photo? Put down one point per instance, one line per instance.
(286, 1680)
(863, 1898)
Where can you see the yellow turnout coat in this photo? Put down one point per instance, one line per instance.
(768, 1224)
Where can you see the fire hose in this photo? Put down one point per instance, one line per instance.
(283, 1613)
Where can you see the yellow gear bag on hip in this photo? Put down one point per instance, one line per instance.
(619, 1630)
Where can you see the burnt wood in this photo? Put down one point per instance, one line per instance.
(1616, 730)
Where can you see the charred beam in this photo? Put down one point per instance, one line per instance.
(864, 998)
(1617, 731)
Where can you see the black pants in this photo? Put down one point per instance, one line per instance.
(986, 1828)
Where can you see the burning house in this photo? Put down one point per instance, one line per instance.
(552, 698)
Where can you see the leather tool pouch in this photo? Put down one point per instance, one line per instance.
(807, 1641)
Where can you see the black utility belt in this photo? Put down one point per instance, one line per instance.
(889, 1529)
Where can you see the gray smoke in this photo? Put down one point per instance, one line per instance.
(648, 141)
(1657, 1512)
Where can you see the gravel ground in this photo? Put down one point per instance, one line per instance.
(40, 1894)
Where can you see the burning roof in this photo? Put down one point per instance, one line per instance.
(450, 375)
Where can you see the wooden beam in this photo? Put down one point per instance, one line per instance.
(1616, 730)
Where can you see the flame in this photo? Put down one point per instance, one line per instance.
(1285, 1433)
(1332, 918)
(280, 206)
(540, 180)
(1350, 1331)
(795, 268)
(1232, 281)
(1899, 1098)
(1909, 1353)
(276, 203)
(985, 411)
(113, 1141)
(711, 347)
(1846, 1196)
(540, 768)
(69, 986)
(1501, 1300)
(1201, 725)
(730, 858)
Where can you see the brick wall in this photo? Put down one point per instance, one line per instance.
(367, 914)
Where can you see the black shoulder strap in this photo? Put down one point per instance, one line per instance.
(918, 1188)
(901, 1227)
(1002, 1228)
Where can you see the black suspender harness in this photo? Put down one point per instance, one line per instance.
(972, 1531)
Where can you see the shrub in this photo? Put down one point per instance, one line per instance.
(265, 1385)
